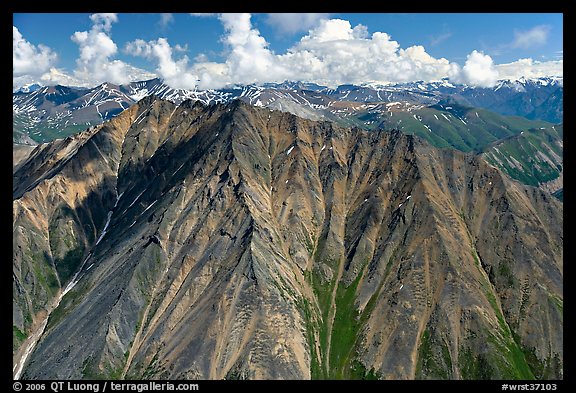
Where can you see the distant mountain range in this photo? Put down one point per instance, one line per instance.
(44, 113)
(447, 115)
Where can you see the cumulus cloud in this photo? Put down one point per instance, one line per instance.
(28, 59)
(337, 53)
(96, 49)
(291, 23)
(103, 21)
(479, 70)
(249, 58)
(174, 72)
(529, 68)
(333, 52)
(536, 36)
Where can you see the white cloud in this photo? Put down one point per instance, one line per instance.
(536, 36)
(479, 70)
(96, 48)
(181, 48)
(140, 48)
(291, 23)
(332, 52)
(530, 69)
(175, 73)
(28, 59)
(95, 63)
(249, 58)
(336, 53)
(165, 19)
(103, 22)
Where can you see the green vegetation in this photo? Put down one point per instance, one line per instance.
(152, 368)
(345, 329)
(43, 271)
(474, 367)
(323, 292)
(430, 365)
(18, 337)
(505, 274)
(91, 371)
(43, 131)
(513, 144)
(67, 304)
(508, 358)
(532, 158)
(549, 368)
(465, 129)
(67, 266)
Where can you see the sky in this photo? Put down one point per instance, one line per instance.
(211, 51)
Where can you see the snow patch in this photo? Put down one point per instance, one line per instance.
(289, 151)
(152, 204)
(139, 195)
(105, 227)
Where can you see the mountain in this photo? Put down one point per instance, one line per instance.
(432, 111)
(56, 112)
(539, 98)
(238, 242)
(29, 88)
(534, 157)
(455, 126)
(20, 153)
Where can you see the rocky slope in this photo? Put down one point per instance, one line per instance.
(444, 114)
(229, 241)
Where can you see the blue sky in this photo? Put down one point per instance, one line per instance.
(210, 51)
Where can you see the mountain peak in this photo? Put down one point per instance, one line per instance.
(237, 213)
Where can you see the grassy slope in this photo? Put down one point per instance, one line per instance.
(466, 129)
(42, 131)
(533, 157)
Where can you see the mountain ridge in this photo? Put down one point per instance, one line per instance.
(56, 111)
(280, 232)
(440, 112)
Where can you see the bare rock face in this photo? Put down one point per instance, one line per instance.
(228, 241)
